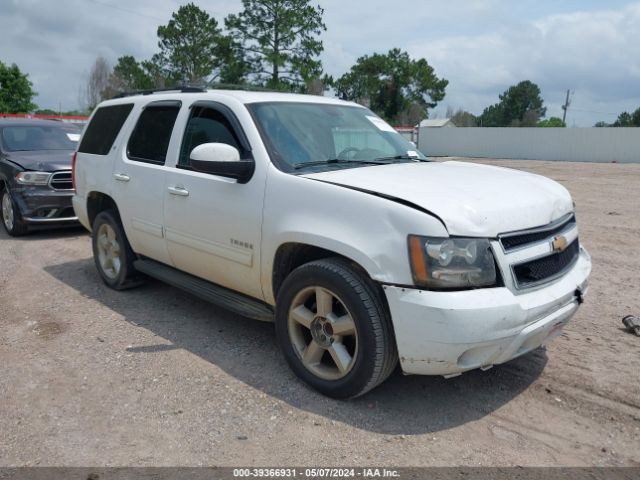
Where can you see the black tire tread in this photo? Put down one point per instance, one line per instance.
(386, 355)
(131, 278)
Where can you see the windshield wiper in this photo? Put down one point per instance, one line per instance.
(379, 161)
(401, 157)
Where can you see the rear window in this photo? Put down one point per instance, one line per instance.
(104, 128)
(149, 141)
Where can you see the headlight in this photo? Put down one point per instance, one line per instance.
(441, 263)
(33, 178)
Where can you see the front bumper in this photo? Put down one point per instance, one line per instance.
(42, 205)
(446, 333)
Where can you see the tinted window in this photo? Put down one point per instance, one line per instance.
(149, 141)
(206, 126)
(104, 128)
(32, 138)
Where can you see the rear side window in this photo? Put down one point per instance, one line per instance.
(149, 141)
(104, 128)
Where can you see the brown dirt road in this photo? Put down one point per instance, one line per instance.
(155, 377)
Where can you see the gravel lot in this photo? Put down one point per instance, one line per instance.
(155, 377)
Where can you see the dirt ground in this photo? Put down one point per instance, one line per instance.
(155, 377)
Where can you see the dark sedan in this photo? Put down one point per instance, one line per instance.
(35, 173)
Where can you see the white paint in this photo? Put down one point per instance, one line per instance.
(559, 144)
(229, 233)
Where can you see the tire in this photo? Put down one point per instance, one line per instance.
(112, 253)
(12, 219)
(342, 347)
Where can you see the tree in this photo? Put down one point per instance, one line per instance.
(128, 75)
(280, 39)
(16, 90)
(462, 118)
(520, 106)
(553, 122)
(391, 84)
(191, 45)
(601, 124)
(97, 83)
(626, 119)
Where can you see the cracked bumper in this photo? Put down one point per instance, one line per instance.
(447, 333)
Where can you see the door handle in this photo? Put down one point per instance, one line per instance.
(121, 177)
(180, 191)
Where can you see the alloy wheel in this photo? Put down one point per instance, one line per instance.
(109, 252)
(323, 333)
(7, 211)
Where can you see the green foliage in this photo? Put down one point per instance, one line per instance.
(601, 124)
(189, 45)
(553, 122)
(520, 106)
(280, 40)
(462, 118)
(626, 119)
(49, 111)
(391, 84)
(128, 75)
(16, 90)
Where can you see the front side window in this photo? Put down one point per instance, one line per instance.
(150, 139)
(322, 136)
(34, 138)
(206, 125)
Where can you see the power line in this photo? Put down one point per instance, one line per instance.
(122, 9)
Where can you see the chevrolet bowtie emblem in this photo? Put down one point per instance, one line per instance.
(559, 243)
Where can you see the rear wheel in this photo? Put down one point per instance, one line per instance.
(112, 253)
(12, 219)
(334, 330)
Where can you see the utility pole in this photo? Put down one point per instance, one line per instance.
(567, 102)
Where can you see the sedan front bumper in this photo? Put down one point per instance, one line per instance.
(447, 333)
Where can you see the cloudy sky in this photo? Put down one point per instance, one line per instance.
(481, 46)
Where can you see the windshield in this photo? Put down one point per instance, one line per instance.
(316, 136)
(32, 138)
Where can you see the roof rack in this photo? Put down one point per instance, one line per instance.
(182, 89)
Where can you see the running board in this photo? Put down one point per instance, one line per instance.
(210, 292)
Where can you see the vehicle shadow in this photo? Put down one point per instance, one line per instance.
(47, 233)
(246, 349)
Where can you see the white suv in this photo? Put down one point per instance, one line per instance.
(314, 213)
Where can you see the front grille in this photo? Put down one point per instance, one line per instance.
(61, 181)
(543, 269)
(519, 239)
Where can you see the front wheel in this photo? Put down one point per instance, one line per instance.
(333, 328)
(12, 219)
(112, 253)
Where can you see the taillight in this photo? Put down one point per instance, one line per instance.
(73, 170)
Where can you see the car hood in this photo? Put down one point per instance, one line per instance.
(42, 160)
(471, 199)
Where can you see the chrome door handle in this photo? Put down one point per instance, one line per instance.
(121, 177)
(180, 191)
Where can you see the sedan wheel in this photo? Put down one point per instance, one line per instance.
(7, 211)
(11, 217)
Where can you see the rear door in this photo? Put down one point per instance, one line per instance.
(139, 179)
(213, 224)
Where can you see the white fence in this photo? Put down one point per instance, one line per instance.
(568, 144)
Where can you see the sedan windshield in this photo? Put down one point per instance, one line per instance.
(315, 136)
(32, 138)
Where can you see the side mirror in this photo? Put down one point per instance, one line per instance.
(222, 160)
